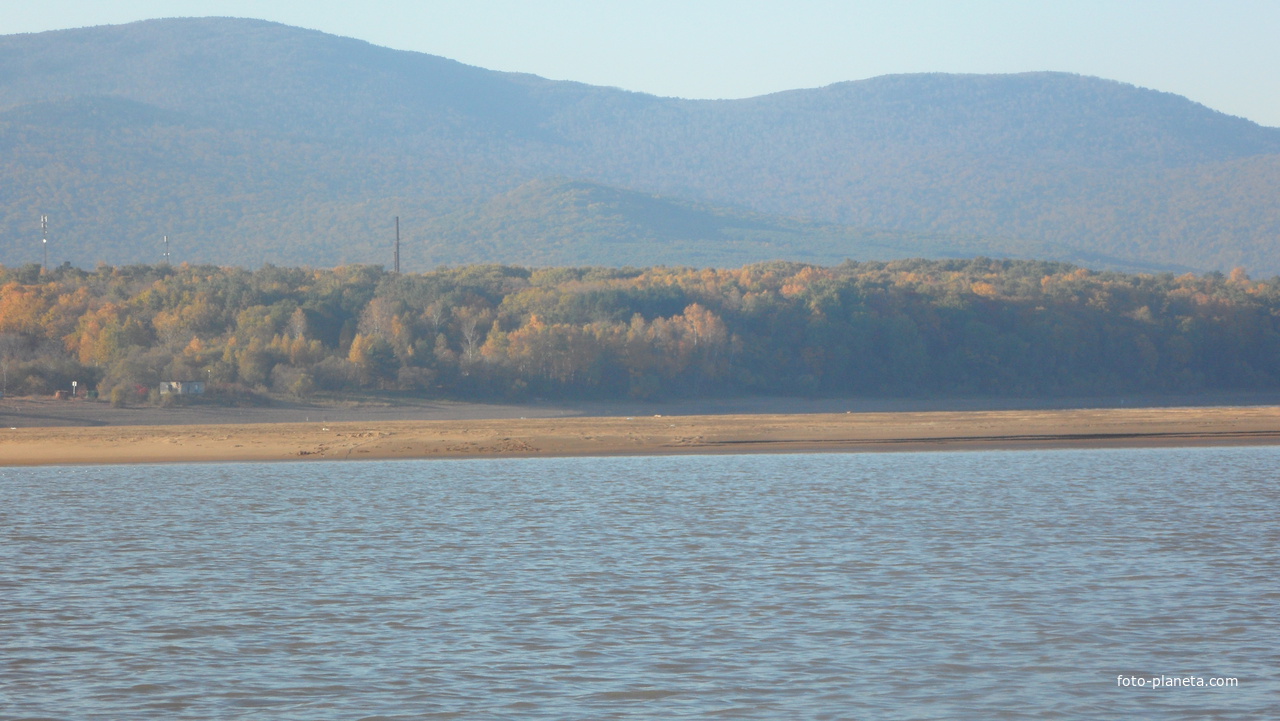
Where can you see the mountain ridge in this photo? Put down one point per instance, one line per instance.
(243, 135)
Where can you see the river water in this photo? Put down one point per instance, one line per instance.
(969, 585)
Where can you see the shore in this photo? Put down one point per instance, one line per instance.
(41, 412)
(639, 435)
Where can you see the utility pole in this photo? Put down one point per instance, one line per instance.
(44, 240)
(397, 245)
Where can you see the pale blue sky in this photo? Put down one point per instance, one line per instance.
(1224, 54)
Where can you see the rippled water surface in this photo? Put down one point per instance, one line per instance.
(1004, 585)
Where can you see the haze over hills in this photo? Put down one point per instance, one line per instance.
(251, 142)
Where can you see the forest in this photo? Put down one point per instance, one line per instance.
(247, 142)
(900, 328)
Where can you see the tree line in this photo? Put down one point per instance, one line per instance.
(901, 328)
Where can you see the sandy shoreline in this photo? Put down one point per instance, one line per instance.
(639, 435)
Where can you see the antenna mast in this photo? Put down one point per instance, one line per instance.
(397, 245)
(166, 250)
(44, 240)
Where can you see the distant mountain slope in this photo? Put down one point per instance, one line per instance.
(249, 141)
(560, 222)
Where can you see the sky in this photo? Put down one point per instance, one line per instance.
(1223, 54)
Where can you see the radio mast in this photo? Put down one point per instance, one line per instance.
(44, 240)
(397, 245)
(166, 250)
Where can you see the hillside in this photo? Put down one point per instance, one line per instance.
(251, 142)
(560, 222)
(905, 328)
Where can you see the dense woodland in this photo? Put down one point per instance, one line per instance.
(249, 142)
(480, 332)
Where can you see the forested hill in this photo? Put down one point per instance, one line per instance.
(914, 327)
(248, 141)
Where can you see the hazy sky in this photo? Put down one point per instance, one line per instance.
(1224, 54)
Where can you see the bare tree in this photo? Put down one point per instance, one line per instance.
(435, 314)
(10, 346)
(474, 325)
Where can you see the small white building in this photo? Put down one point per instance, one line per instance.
(182, 388)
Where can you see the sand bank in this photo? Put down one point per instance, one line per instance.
(636, 435)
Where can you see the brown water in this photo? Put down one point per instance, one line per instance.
(1003, 585)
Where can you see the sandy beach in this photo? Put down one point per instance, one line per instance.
(637, 435)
